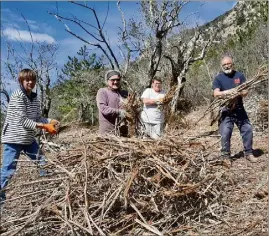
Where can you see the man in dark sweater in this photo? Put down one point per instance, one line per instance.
(222, 85)
(109, 102)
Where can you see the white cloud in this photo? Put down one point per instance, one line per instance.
(24, 36)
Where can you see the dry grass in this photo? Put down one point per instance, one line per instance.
(129, 186)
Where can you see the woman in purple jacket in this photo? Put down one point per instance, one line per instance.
(109, 102)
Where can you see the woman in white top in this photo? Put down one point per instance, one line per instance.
(152, 116)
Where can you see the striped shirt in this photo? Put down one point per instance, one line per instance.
(23, 114)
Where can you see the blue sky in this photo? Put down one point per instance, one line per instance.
(45, 27)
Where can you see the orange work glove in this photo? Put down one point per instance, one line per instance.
(56, 124)
(50, 128)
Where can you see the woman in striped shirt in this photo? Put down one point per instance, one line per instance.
(22, 121)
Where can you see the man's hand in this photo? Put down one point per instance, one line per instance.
(122, 113)
(227, 92)
(50, 128)
(222, 94)
(244, 93)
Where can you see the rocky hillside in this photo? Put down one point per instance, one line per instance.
(243, 16)
(240, 33)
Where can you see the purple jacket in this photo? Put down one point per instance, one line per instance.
(108, 102)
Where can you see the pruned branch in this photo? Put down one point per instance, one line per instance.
(102, 44)
(3, 91)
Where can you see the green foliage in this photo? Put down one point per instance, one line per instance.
(249, 48)
(74, 94)
(85, 62)
(196, 65)
(212, 53)
(240, 19)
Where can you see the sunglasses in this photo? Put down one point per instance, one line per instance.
(113, 80)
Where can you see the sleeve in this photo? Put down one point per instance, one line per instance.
(102, 105)
(145, 94)
(216, 84)
(243, 79)
(124, 93)
(39, 117)
(20, 112)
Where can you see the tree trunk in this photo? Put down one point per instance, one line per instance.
(46, 107)
(5, 93)
(179, 89)
(92, 117)
(80, 112)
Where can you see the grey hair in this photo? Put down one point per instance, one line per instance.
(111, 71)
(227, 55)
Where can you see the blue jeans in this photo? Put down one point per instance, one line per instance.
(11, 155)
(227, 121)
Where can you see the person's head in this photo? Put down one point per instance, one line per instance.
(113, 78)
(27, 79)
(156, 84)
(227, 64)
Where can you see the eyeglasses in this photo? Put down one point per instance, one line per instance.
(227, 64)
(29, 79)
(113, 80)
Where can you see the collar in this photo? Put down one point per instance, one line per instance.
(230, 75)
(31, 96)
(113, 90)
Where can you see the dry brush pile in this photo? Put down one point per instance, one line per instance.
(118, 186)
(131, 186)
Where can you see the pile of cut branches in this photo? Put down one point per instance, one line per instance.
(118, 186)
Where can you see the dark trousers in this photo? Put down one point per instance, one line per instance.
(227, 121)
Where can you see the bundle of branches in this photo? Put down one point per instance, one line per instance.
(132, 106)
(183, 106)
(169, 95)
(118, 186)
(216, 106)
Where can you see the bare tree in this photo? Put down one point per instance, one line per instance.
(181, 64)
(38, 56)
(162, 18)
(150, 37)
(95, 32)
(4, 99)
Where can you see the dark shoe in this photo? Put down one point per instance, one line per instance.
(251, 158)
(2, 199)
